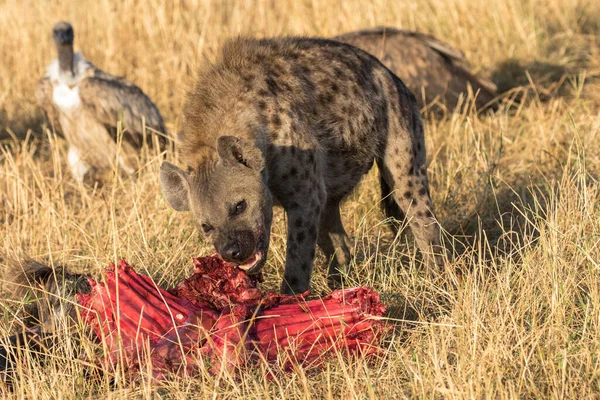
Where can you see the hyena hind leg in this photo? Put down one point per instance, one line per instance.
(334, 241)
(390, 208)
(410, 192)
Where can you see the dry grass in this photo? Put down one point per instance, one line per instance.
(518, 312)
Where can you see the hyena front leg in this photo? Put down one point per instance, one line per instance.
(303, 215)
(300, 252)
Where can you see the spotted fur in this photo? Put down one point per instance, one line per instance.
(433, 70)
(297, 122)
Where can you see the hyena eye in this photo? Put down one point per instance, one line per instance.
(206, 228)
(238, 156)
(240, 207)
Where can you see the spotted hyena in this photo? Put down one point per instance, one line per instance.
(297, 122)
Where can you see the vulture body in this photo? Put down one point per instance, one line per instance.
(88, 103)
(433, 70)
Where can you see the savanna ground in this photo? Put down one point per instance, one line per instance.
(517, 311)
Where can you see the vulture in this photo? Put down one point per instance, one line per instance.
(433, 70)
(88, 104)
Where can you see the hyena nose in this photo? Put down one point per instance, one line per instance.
(232, 252)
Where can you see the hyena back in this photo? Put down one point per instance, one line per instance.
(297, 122)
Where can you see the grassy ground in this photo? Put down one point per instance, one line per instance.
(517, 313)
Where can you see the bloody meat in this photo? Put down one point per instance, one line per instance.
(219, 315)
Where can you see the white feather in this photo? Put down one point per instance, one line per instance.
(80, 64)
(78, 167)
(66, 98)
(65, 94)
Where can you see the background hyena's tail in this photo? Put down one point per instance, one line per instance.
(44, 311)
(47, 293)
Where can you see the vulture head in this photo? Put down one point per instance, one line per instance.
(62, 33)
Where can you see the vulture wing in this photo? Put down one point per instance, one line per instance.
(43, 97)
(432, 70)
(108, 97)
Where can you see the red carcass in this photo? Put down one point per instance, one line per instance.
(220, 316)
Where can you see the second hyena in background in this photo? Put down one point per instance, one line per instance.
(298, 122)
(433, 70)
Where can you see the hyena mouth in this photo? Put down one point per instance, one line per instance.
(256, 258)
(252, 261)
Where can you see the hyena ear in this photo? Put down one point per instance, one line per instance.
(175, 186)
(233, 150)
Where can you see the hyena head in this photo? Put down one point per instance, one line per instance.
(229, 201)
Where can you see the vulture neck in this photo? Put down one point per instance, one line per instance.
(65, 60)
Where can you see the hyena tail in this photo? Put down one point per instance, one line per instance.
(390, 208)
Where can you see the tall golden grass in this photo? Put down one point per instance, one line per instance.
(517, 311)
